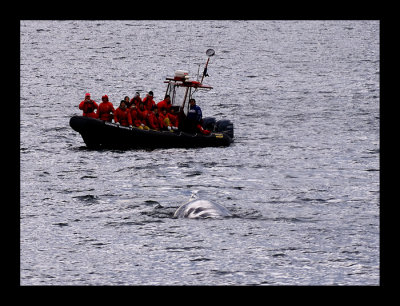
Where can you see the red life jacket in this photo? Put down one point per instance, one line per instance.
(136, 101)
(164, 104)
(105, 111)
(173, 119)
(161, 121)
(152, 121)
(135, 117)
(142, 115)
(88, 108)
(148, 103)
(123, 117)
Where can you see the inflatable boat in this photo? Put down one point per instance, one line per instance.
(99, 134)
(102, 134)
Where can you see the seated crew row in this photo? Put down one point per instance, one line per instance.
(145, 114)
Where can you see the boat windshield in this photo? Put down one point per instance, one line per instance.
(180, 93)
(177, 94)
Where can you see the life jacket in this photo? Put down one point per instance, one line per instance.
(173, 119)
(152, 121)
(142, 115)
(136, 101)
(123, 117)
(148, 103)
(164, 121)
(135, 117)
(105, 111)
(164, 104)
(88, 108)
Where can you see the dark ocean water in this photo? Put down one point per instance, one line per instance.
(302, 177)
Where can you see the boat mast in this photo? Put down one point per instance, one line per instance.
(181, 79)
(184, 99)
(209, 52)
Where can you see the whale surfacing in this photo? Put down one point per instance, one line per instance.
(201, 209)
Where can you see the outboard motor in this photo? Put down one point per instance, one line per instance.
(209, 123)
(224, 126)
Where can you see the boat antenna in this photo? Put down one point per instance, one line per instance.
(198, 73)
(209, 52)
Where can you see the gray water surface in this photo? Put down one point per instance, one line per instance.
(301, 178)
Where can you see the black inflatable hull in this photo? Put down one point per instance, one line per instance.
(100, 134)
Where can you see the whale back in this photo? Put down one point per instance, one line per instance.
(199, 208)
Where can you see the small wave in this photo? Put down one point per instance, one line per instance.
(61, 224)
(87, 198)
(88, 177)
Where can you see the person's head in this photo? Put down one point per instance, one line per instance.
(87, 96)
(192, 102)
(104, 98)
(122, 104)
(136, 95)
(150, 94)
(168, 99)
(164, 110)
(126, 99)
(141, 106)
(154, 108)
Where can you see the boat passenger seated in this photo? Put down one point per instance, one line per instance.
(136, 99)
(153, 119)
(173, 116)
(142, 116)
(136, 122)
(166, 103)
(127, 101)
(122, 115)
(164, 120)
(148, 101)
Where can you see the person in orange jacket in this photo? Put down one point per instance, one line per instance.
(136, 99)
(135, 118)
(88, 106)
(166, 103)
(142, 116)
(173, 117)
(165, 121)
(148, 101)
(152, 119)
(122, 115)
(106, 109)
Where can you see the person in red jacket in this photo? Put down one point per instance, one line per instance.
(173, 117)
(127, 102)
(148, 101)
(152, 119)
(165, 122)
(106, 109)
(88, 106)
(166, 103)
(136, 99)
(135, 117)
(122, 115)
(142, 116)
